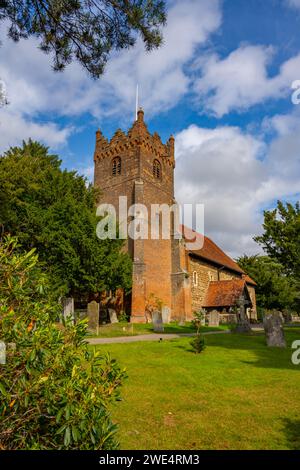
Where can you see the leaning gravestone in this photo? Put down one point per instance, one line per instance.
(113, 316)
(214, 318)
(2, 353)
(166, 314)
(158, 325)
(273, 325)
(93, 316)
(243, 325)
(68, 306)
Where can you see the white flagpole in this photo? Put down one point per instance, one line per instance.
(136, 101)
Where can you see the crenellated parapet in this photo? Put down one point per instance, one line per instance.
(137, 136)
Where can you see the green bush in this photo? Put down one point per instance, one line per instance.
(198, 343)
(199, 317)
(55, 392)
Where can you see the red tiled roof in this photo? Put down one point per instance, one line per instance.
(224, 293)
(210, 251)
(249, 280)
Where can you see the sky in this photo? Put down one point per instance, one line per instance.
(221, 84)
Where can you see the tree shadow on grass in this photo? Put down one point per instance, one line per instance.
(271, 358)
(292, 433)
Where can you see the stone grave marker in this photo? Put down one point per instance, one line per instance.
(273, 326)
(243, 325)
(113, 316)
(68, 308)
(93, 316)
(166, 314)
(214, 318)
(2, 353)
(158, 325)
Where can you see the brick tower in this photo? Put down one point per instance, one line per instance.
(139, 166)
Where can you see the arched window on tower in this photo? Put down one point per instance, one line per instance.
(156, 169)
(116, 166)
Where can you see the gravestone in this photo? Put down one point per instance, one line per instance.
(214, 318)
(243, 325)
(181, 321)
(93, 316)
(68, 308)
(166, 314)
(273, 325)
(2, 353)
(113, 316)
(158, 325)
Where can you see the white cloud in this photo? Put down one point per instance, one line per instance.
(14, 128)
(33, 87)
(34, 90)
(87, 171)
(293, 3)
(241, 79)
(224, 169)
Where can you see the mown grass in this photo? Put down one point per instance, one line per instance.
(237, 394)
(112, 330)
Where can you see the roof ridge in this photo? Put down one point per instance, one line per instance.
(218, 256)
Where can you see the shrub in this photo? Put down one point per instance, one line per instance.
(198, 343)
(55, 392)
(198, 319)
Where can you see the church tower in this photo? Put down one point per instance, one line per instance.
(139, 166)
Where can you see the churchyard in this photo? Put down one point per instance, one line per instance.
(133, 329)
(237, 394)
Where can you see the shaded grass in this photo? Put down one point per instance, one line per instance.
(112, 330)
(237, 394)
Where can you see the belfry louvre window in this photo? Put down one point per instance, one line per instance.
(156, 169)
(116, 166)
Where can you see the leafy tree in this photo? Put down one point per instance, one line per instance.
(55, 393)
(281, 237)
(275, 290)
(53, 210)
(85, 30)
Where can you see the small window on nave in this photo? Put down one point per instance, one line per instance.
(195, 279)
(156, 169)
(116, 166)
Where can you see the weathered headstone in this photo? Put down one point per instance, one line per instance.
(273, 325)
(181, 321)
(158, 326)
(166, 314)
(113, 315)
(93, 316)
(2, 353)
(243, 325)
(68, 306)
(214, 318)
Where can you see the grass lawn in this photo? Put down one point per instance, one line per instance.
(237, 394)
(132, 329)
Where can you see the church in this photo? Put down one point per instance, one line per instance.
(138, 166)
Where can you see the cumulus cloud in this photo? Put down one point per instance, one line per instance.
(14, 128)
(34, 90)
(34, 87)
(235, 175)
(241, 79)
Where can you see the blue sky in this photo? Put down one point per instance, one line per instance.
(221, 84)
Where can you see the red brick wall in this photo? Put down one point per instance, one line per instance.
(152, 259)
